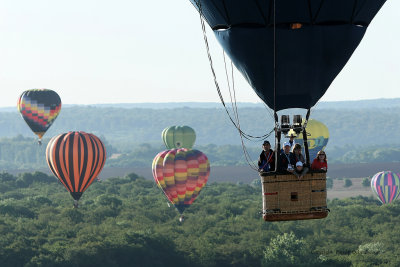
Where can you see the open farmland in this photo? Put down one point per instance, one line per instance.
(357, 189)
(244, 174)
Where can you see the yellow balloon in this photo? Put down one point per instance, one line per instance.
(317, 137)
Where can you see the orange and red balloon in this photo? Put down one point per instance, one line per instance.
(76, 159)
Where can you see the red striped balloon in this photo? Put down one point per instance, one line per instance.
(76, 158)
(181, 174)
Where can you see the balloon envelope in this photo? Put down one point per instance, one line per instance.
(313, 42)
(178, 137)
(181, 174)
(385, 186)
(39, 108)
(76, 158)
(317, 137)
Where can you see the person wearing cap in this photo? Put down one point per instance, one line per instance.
(286, 160)
(291, 141)
(266, 161)
(300, 170)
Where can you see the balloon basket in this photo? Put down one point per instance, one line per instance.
(287, 198)
(305, 215)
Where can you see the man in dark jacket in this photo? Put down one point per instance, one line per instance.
(266, 161)
(286, 160)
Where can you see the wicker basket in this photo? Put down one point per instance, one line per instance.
(285, 197)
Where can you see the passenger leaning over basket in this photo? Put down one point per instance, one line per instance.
(300, 170)
(320, 162)
(286, 160)
(297, 154)
(266, 161)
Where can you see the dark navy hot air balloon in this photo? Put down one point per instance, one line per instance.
(313, 42)
(289, 51)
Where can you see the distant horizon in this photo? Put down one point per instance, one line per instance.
(202, 103)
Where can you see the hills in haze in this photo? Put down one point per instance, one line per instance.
(356, 104)
(353, 123)
(360, 131)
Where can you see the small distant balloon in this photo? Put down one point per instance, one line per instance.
(385, 185)
(178, 137)
(39, 108)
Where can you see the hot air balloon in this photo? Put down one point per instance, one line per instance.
(181, 174)
(385, 186)
(39, 108)
(317, 137)
(289, 52)
(76, 159)
(178, 137)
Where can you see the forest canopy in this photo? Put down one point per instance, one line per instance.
(126, 219)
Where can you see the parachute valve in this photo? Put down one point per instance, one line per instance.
(296, 26)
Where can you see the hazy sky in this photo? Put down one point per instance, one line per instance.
(97, 51)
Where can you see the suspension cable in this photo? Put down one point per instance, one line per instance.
(234, 104)
(235, 122)
(250, 162)
(274, 56)
(245, 135)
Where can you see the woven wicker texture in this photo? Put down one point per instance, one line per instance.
(286, 194)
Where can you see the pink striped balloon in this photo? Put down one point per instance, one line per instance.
(385, 185)
(181, 174)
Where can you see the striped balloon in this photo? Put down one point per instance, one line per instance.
(181, 174)
(385, 185)
(39, 108)
(76, 158)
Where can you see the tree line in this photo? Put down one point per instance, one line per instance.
(124, 221)
(24, 153)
